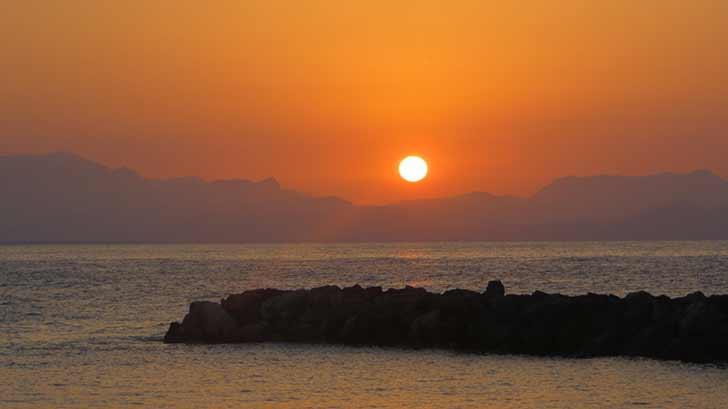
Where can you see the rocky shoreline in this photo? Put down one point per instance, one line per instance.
(693, 328)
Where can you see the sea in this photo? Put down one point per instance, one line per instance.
(81, 326)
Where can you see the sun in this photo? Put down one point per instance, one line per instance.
(413, 169)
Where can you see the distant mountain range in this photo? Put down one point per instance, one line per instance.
(61, 197)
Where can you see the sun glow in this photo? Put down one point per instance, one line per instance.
(413, 169)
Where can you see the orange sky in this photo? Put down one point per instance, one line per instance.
(327, 96)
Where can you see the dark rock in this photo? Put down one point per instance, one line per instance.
(206, 321)
(285, 306)
(693, 297)
(698, 319)
(245, 307)
(258, 332)
(691, 328)
(495, 289)
(426, 329)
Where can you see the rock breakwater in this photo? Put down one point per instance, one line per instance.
(692, 328)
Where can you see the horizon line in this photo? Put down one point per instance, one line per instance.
(269, 179)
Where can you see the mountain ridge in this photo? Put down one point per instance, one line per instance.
(63, 197)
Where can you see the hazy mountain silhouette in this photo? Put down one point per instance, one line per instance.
(61, 197)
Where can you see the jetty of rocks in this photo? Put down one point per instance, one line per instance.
(692, 328)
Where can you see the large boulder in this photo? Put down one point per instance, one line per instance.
(284, 307)
(205, 322)
(495, 289)
(426, 330)
(245, 307)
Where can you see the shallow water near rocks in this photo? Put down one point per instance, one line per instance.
(82, 327)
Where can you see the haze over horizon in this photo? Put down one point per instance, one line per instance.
(65, 198)
(329, 96)
(74, 157)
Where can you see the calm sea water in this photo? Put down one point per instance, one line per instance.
(81, 327)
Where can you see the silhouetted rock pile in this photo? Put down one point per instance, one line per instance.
(691, 328)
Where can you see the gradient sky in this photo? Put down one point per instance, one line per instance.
(327, 95)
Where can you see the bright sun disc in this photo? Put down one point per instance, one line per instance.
(413, 168)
